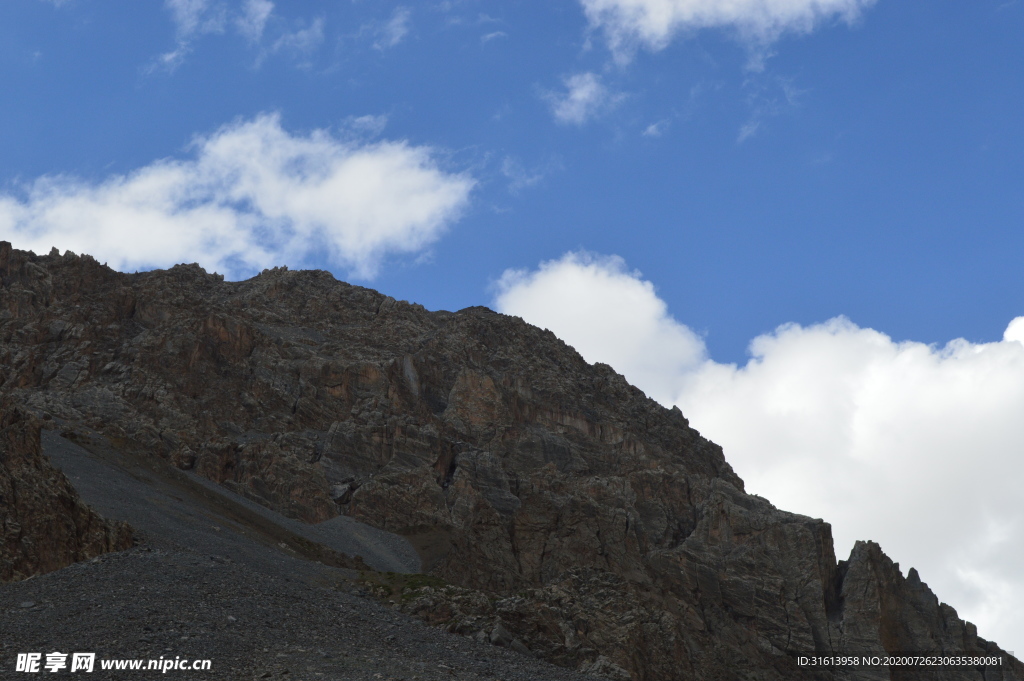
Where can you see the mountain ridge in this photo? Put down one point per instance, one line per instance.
(596, 527)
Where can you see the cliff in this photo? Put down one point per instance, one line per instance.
(573, 517)
(45, 525)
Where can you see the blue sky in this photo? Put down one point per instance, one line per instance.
(718, 172)
(880, 180)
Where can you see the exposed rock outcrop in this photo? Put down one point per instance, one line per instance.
(590, 524)
(45, 526)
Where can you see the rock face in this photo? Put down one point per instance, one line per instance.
(573, 516)
(45, 526)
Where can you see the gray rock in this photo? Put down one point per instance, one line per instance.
(519, 647)
(44, 525)
(500, 636)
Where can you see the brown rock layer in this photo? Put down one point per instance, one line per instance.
(45, 526)
(599, 529)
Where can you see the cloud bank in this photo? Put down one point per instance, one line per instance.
(652, 24)
(915, 446)
(253, 195)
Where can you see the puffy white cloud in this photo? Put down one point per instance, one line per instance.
(653, 23)
(609, 315)
(585, 95)
(1015, 331)
(252, 196)
(918, 447)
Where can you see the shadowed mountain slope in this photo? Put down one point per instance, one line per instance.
(44, 523)
(594, 526)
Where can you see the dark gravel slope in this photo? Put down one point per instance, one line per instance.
(209, 581)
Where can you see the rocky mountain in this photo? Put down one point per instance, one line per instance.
(571, 517)
(45, 525)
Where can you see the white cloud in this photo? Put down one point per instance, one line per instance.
(748, 130)
(253, 19)
(395, 30)
(195, 16)
(768, 97)
(494, 35)
(1015, 331)
(250, 18)
(520, 177)
(191, 18)
(302, 41)
(915, 446)
(367, 125)
(629, 24)
(656, 129)
(585, 95)
(252, 196)
(591, 302)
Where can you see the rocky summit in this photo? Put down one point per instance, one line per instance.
(559, 512)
